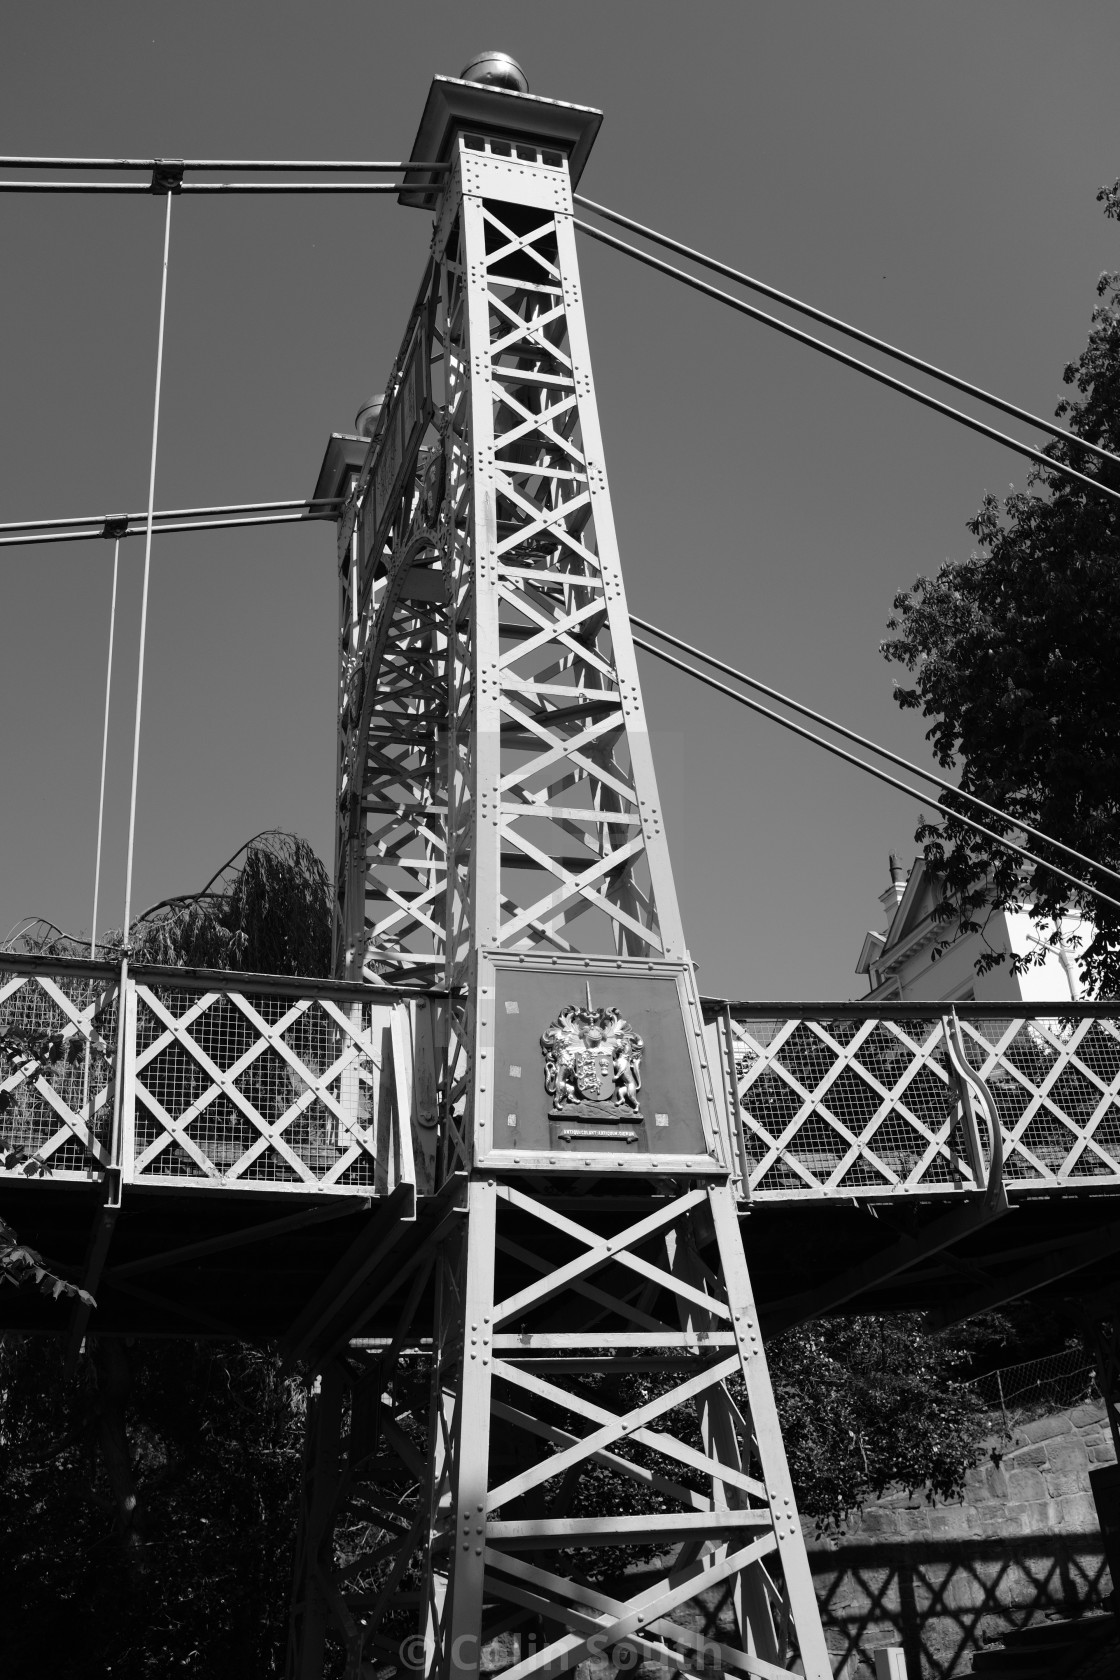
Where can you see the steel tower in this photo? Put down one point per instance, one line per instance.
(595, 1344)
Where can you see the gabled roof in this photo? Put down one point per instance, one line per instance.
(914, 907)
(872, 950)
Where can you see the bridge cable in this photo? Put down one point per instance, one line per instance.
(128, 187)
(838, 355)
(845, 327)
(147, 575)
(126, 520)
(871, 769)
(217, 166)
(28, 532)
(104, 753)
(873, 746)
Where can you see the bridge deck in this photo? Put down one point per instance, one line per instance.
(249, 1139)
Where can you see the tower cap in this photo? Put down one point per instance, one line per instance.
(455, 104)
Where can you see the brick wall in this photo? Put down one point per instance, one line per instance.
(939, 1580)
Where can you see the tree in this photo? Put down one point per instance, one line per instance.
(874, 1401)
(1013, 656)
(150, 1496)
(194, 1577)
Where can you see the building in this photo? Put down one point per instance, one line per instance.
(901, 961)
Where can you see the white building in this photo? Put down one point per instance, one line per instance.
(900, 962)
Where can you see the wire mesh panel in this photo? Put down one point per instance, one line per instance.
(269, 1091)
(58, 1036)
(868, 1106)
(1039, 1386)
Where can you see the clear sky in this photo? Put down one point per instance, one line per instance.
(928, 172)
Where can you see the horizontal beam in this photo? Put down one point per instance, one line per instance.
(338, 1209)
(1026, 1281)
(570, 1340)
(910, 1009)
(204, 979)
(899, 1257)
(533, 1533)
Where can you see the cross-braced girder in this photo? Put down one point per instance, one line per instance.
(599, 1397)
(602, 1402)
(557, 842)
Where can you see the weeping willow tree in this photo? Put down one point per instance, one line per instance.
(266, 911)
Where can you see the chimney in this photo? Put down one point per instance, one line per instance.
(892, 898)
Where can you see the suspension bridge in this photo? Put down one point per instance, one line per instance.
(511, 1145)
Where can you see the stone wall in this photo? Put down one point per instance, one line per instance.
(939, 1580)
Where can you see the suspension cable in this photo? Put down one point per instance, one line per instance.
(277, 166)
(78, 527)
(873, 746)
(104, 752)
(172, 513)
(161, 530)
(838, 355)
(206, 186)
(857, 333)
(147, 576)
(871, 769)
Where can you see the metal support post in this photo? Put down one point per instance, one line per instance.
(309, 1610)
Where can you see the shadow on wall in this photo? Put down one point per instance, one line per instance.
(942, 1600)
(942, 1581)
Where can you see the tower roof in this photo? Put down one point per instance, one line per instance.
(454, 104)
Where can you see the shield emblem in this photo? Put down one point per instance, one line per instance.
(591, 1068)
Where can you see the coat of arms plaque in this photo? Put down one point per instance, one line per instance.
(592, 1065)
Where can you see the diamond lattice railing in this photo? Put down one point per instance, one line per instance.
(855, 1104)
(58, 1037)
(267, 1087)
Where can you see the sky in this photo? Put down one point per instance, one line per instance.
(927, 172)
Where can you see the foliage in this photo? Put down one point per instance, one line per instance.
(271, 915)
(1011, 655)
(26, 1049)
(870, 1402)
(194, 1578)
(151, 1496)
(23, 1266)
(267, 911)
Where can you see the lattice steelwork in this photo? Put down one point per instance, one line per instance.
(58, 1043)
(392, 718)
(855, 1105)
(272, 1091)
(489, 703)
(556, 837)
(264, 1090)
(498, 808)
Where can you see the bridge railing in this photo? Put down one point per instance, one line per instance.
(842, 1100)
(268, 1084)
(210, 1080)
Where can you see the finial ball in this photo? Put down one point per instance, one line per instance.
(497, 69)
(365, 421)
